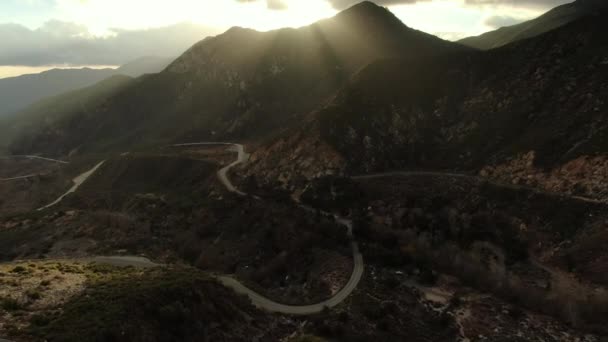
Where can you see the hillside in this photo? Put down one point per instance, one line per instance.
(74, 300)
(214, 90)
(542, 97)
(16, 93)
(61, 109)
(551, 20)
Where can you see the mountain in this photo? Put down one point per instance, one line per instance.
(16, 93)
(242, 84)
(538, 104)
(553, 19)
(60, 109)
(144, 65)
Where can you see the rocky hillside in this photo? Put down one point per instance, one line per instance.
(551, 20)
(466, 110)
(240, 84)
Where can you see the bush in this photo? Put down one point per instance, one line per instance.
(19, 269)
(10, 304)
(40, 320)
(33, 294)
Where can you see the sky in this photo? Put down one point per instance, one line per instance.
(37, 35)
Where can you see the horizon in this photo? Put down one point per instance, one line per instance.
(169, 28)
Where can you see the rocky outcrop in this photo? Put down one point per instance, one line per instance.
(585, 176)
(293, 160)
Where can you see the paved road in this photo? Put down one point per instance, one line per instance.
(222, 174)
(17, 178)
(269, 305)
(35, 157)
(78, 181)
(228, 281)
(28, 157)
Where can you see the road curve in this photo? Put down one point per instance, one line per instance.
(228, 281)
(222, 174)
(263, 302)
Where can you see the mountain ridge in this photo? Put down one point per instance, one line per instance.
(272, 79)
(18, 92)
(550, 20)
(460, 111)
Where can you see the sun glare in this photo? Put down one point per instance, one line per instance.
(102, 15)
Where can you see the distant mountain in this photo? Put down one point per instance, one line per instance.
(16, 93)
(241, 84)
(144, 65)
(60, 110)
(553, 19)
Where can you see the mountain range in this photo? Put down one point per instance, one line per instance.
(16, 93)
(355, 179)
(271, 80)
(380, 94)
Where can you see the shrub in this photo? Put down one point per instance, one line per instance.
(40, 320)
(10, 304)
(33, 294)
(19, 269)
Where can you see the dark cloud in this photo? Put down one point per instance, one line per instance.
(271, 4)
(343, 4)
(501, 21)
(58, 42)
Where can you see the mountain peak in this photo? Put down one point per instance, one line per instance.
(369, 15)
(365, 8)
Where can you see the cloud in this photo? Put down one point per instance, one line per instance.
(497, 21)
(278, 5)
(58, 42)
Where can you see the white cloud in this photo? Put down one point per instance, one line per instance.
(58, 42)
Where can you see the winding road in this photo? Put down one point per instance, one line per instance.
(35, 157)
(257, 299)
(222, 174)
(29, 157)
